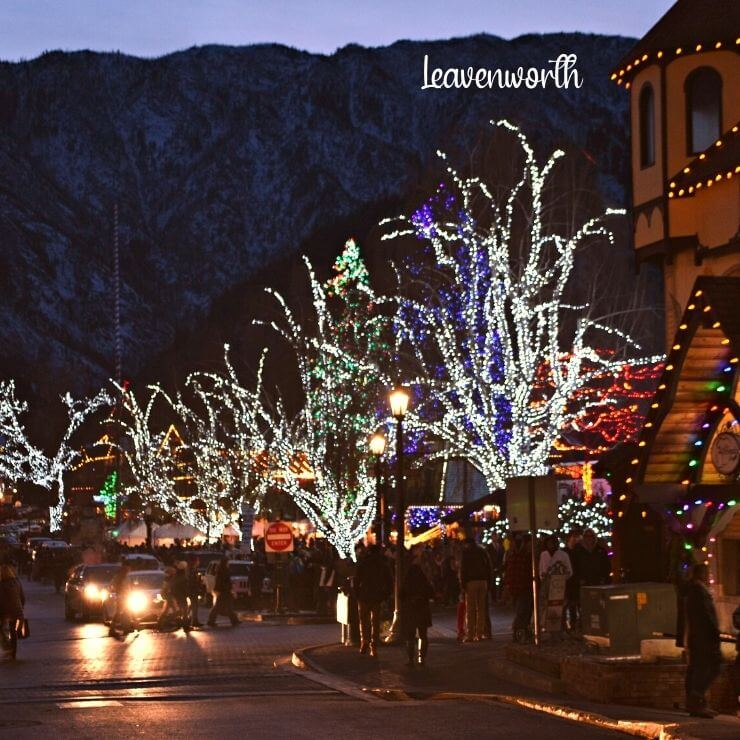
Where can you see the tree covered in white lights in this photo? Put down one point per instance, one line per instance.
(20, 460)
(504, 356)
(205, 459)
(245, 420)
(341, 380)
(148, 450)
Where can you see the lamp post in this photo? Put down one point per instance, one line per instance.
(399, 402)
(377, 448)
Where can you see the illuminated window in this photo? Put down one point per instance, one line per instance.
(703, 109)
(647, 126)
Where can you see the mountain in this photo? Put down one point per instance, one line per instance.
(224, 160)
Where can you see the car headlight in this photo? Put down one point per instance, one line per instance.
(104, 594)
(137, 602)
(92, 592)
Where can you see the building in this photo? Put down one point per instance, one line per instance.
(676, 496)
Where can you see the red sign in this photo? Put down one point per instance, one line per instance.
(279, 538)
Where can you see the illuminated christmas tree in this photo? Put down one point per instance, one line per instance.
(340, 355)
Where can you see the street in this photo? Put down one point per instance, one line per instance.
(72, 680)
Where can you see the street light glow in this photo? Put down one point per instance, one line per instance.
(377, 444)
(399, 401)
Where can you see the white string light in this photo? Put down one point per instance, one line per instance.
(20, 460)
(502, 299)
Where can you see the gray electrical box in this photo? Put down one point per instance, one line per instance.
(619, 617)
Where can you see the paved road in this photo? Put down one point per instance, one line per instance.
(72, 680)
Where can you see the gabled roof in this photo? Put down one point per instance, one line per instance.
(695, 390)
(719, 161)
(687, 25)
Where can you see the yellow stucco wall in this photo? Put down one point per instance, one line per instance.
(647, 183)
(713, 214)
(727, 63)
(649, 227)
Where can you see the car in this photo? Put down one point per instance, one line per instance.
(86, 590)
(239, 573)
(33, 543)
(141, 561)
(143, 602)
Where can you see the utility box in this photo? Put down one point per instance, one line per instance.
(619, 617)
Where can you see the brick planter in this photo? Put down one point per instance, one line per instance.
(657, 685)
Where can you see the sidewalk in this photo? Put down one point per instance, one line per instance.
(479, 671)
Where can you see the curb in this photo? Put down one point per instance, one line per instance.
(299, 661)
(651, 730)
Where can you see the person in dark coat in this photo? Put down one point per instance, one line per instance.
(180, 589)
(702, 641)
(194, 591)
(120, 586)
(223, 602)
(373, 585)
(518, 584)
(591, 566)
(475, 575)
(416, 614)
(12, 602)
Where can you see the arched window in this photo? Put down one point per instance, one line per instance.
(647, 126)
(703, 109)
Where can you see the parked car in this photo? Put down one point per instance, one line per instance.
(143, 597)
(239, 574)
(86, 590)
(141, 561)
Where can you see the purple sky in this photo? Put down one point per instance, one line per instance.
(155, 27)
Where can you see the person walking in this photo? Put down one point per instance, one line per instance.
(194, 592)
(12, 602)
(702, 641)
(373, 585)
(180, 588)
(223, 601)
(416, 614)
(475, 575)
(120, 587)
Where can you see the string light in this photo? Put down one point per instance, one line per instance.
(335, 367)
(506, 387)
(20, 460)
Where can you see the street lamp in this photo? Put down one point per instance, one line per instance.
(377, 448)
(399, 402)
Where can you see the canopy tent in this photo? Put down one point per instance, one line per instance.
(168, 533)
(131, 533)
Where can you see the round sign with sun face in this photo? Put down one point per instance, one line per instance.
(726, 453)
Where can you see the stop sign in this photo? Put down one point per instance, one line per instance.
(278, 538)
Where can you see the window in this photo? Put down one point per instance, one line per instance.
(647, 126)
(703, 109)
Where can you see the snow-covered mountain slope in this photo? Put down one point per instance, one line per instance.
(222, 159)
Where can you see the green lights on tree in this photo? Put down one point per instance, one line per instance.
(109, 494)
